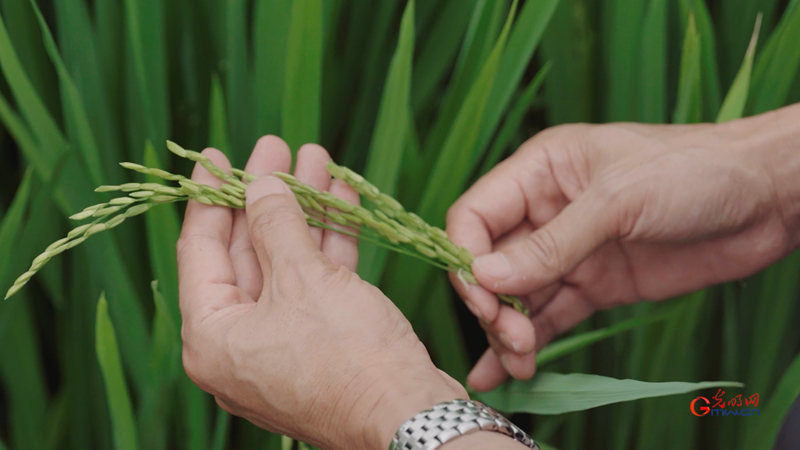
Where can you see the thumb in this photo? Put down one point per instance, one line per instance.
(277, 225)
(550, 252)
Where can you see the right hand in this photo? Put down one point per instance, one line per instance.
(588, 217)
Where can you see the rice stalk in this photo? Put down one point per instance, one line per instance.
(388, 224)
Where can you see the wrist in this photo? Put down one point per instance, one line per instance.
(393, 398)
(771, 141)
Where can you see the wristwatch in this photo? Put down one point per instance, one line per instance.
(431, 428)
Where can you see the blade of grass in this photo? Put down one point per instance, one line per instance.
(475, 49)
(568, 43)
(270, 34)
(77, 43)
(571, 344)
(217, 126)
(23, 376)
(74, 110)
(778, 64)
(44, 147)
(780, 402)
(458, 153)
(708, 59)
(388, 140)
(145, 26)
(300, 114)
(445, 339)
(513, 120)
(163, 227)
(11, 226)
(238, 83)
(156, 405)
(735, 101)
(689, 104)
(653, 64)
(623, 29)
(119, 402)
(438, 50)
(555, 393)
(522, 41)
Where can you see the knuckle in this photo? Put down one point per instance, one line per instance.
(542, 248)
(193, 367)
(272, 212)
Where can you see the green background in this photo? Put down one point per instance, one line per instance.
(420, 107)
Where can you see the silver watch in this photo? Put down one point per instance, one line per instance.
(448, 420)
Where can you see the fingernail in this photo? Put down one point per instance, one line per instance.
(263, 186)
(495, 265)
(504, 360)
(509, 343)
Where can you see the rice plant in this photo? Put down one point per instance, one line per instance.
(420, 98)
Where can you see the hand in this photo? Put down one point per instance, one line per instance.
(587, 217)
(278, 327)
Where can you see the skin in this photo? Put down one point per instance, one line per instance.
(589, 217)
(279, 328)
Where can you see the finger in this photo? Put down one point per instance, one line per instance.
(270, 154)
(550, 252)
(482, 303)
(519, 366)
(488, 372)
(204, 264)
(568, 308)
(311, 170)
(341, 248)
(277, 226)
(512, 330)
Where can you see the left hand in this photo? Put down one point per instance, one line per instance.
(279, 328)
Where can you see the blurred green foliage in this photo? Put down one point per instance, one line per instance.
(421, 106)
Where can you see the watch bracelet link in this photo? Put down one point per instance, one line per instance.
(431, 428)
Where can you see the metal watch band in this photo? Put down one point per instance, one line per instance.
(448, 420)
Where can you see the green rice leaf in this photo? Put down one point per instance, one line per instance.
(653, 64)
(238, 83)
(145, 25)
(300, 115)
(270, 34)
(73, 105)
(689, 105)
(708, 58)
(733, 106)
(513, 120)
(163, 227)
(764, 433)
(571, 344)
(482, 32)
(622, 32)
(119, 402)
(22, 375)
(30, 104)
(568, 44)
(525, 35)
(388, 140)
(445, 338)
(459, 154)
(777, 67)
(555, 393)
(218, 127)
(437, 51)
(12, 225)
(78, 46)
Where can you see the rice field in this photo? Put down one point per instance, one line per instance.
(420, 97)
